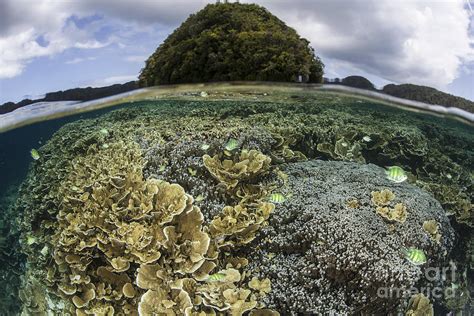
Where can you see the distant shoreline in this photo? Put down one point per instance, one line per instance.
(52, 110)
(397, 91)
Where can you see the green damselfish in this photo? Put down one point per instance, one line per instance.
(415, 256)
(396, 174)
(35, 154)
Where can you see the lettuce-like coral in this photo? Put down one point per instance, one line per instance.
(114, 224)
(284, 139)
(248, 165)
(419, 305)
(238, 224)
(346, 147)
(112, 213)
(431, 227)
(382, 200)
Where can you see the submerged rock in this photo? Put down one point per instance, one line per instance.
(324, 253)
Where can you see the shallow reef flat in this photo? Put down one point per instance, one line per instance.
(203, 206)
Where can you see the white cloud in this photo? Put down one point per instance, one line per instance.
(113, 80)
(143, 12)
(423, 42)
(79, 60)
(17, 50)
(29, 31)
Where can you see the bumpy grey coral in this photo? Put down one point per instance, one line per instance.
(324, 254)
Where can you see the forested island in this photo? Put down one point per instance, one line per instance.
(232, 42)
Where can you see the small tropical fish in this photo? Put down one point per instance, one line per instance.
(204, 94)
(35, 154)
(205, 147)
(199, 198)
(271, 255)
(216, 277)
(396, 174)
(415, 256)
(231, 144)
(366, 139)
(277, 198)
(45, 250)
(104, 132)
(192, 171)
(30, 240)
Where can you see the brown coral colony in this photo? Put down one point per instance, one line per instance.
(125, 244)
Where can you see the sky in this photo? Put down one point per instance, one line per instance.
(50, 45)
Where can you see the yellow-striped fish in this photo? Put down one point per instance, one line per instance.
(277, 198)
(396, 174)
(231, 145)
(415, 256)
(205, 146)
(216, 277)
(35, 154)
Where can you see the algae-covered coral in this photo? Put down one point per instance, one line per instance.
(158, 216)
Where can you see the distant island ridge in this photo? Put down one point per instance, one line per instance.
(405, 91)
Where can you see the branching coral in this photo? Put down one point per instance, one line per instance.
(320, 254)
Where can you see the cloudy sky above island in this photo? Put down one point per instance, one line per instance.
(49, 45)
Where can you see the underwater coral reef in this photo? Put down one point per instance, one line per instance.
(226, 207)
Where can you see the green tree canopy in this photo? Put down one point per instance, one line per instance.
(228, 42)
(428, 95)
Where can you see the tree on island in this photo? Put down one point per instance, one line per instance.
(230, 42)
